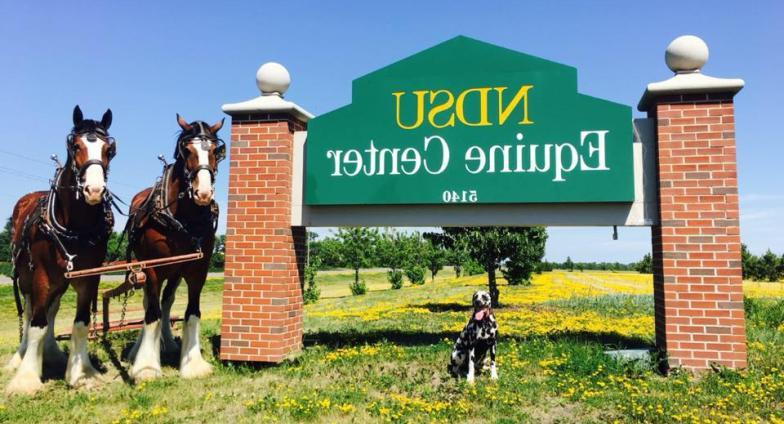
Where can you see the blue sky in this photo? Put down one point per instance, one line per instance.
(148, 60)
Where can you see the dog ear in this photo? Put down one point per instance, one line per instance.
(78, 117)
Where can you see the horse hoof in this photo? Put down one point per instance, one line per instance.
(196, 369)
(14, 363)
(146, 373)
(24, 385)
(88, 378)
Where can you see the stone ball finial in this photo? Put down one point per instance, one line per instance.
(273, 78)
(687, 53)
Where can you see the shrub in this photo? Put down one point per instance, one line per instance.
(473, 267)
(312, 292)
(416, 274)
(518, 273)
(395, 279)
(358, 288)
(5, 268)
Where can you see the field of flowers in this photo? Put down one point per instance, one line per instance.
(383, 356)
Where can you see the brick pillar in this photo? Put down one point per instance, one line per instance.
(696, 247)
(262, 298)
(697, 278)
(265, 255)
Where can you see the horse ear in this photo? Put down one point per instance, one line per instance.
(218, 125)
(77, 116)
(106, 121)
(183, 123)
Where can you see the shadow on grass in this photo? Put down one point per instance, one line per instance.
(447, 307)
(413, 338)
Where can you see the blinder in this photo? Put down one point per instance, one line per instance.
(206, 141)
(92, 136)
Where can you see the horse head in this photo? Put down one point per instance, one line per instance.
(200, 149)
(90, 149)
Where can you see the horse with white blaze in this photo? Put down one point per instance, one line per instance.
(55, 231)
(177, 216)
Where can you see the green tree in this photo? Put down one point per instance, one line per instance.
(328, 252)
(357, 247)
(435, 256)
(569, 265)
(416, 253)
(526, 256)
(491, 246)
(645, 266)
(393, 254)
(769, 267)
(5, 242)
(312, 293)
(218, 260)
(458, 257)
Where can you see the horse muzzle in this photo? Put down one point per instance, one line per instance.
(94, 184)
(93, 194)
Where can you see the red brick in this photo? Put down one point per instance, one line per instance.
(698, 239)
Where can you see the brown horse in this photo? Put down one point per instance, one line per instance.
(53, 232)
(175, 217)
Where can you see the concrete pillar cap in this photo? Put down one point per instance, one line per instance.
(686, 55)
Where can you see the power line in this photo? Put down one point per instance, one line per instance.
(39, 161)
(31, 159)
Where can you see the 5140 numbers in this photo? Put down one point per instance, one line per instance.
(465, 196)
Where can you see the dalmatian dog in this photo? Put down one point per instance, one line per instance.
(477, 338)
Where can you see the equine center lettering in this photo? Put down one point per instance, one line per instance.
(433, 154)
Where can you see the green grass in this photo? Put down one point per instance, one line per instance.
(383, 357)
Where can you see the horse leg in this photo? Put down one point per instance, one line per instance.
(27, 379)
(147, 364)
(13, 364)
(192, 364)
(169, 345)
(80, 370)
(52, 352)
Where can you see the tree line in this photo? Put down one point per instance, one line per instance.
(768, 267)
(514, 252)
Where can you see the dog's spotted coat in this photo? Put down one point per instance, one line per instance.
(477, 338)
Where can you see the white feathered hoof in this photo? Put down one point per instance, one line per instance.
(80, 371)
(87, 377)
(195, 368)
(14, 363)
(24, 383)
(192, 364)
(147, 363)
(145, 374)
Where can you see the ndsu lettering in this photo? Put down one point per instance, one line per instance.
(442, 108)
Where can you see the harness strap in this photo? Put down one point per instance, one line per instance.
(17, 295)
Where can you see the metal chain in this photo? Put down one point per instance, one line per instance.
(125, 306)
(94, 331)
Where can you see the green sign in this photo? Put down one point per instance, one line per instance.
(470, 122)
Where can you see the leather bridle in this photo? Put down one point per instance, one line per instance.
(206, 139)
(91, 136)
